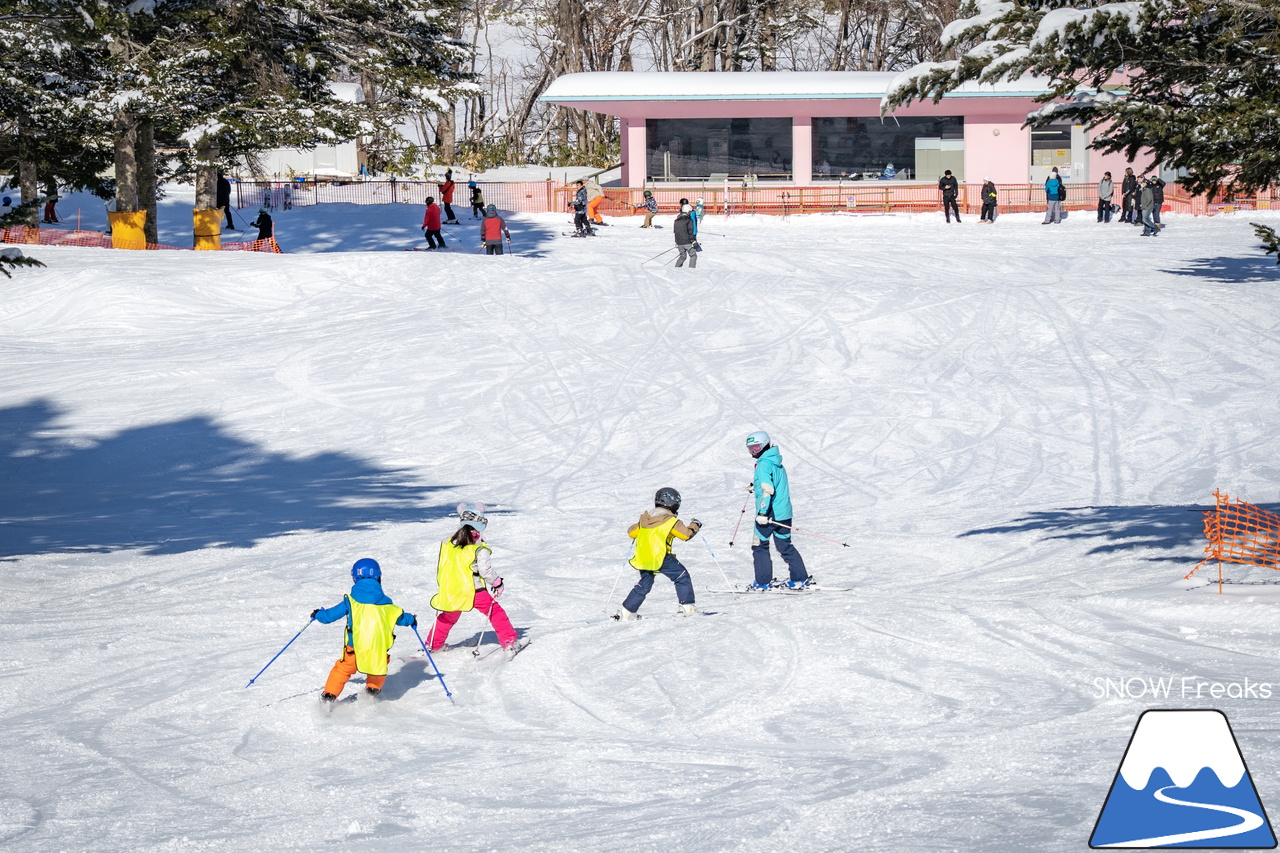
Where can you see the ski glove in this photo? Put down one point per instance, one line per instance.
(763, 520)
(751, 488)
(767, 488)
(496, 589)
(314, 612)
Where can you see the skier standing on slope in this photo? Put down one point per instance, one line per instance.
(773, 515)
(685, 232)
(595, 198)
(950, 189)
(467, 581)
(477, 200)
(371, 618)
(431, 225)
(650, 205)
(263, 224)
(446, 197)
(492, 229)
(581, 227)
(654, 533)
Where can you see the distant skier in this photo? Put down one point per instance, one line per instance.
(223, 196)
(581, 225)
(654, 533)
(477, 200)
(773, 515)
(467, 581)
(989, 199)
(650, 205)
(263, 224)
(431, 225)
(684, 231)
(950, 189)
(492, 229)
(1054, 192)
(51, 209)
(1147, 204)
(371, 618)
(1106, 190)
(595, 198)
(446, 197)
(1129, 198)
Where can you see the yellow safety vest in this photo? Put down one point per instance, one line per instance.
(653, 544)
(370, 635)
(455, 576)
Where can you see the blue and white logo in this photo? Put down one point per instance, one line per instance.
(1183, 783)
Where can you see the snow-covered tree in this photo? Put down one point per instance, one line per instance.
(11, 257)
(1195, 83)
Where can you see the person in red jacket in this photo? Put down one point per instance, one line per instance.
(492, 229)
(431, 225)
(446, 197)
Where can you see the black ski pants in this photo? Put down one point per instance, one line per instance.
(949, 206)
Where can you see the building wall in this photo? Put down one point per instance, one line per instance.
(996, 146)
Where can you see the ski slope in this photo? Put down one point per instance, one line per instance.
(1009, 425)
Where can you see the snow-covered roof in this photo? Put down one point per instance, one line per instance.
(606, 86)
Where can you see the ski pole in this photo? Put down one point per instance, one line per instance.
(433, 665)
(621, 569)
(286, 645)
(476, 651)
(739, 524)
(807, 533)
(655, 257)
(717, 561)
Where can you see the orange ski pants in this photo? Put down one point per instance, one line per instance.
(593, 209)
(344, 669)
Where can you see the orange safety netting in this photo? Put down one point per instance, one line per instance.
(1239, 532)
(97, 240)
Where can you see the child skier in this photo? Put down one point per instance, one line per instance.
(650, 206)
(371, 617)
(467, 581)
(581, 227)
(773, 515)
(446, 197)
(431, 225)
(654, 533)
(492, 229)
(263, 224)
(477, 201)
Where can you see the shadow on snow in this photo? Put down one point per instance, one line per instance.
(1258, 269)
(175, 487)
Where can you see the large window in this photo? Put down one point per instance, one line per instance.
(700, 148)
(867, 148)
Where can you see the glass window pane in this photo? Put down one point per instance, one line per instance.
(868, 148)
(698, 148)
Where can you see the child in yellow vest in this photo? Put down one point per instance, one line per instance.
(467, 581)
(366, 646)
(654, 533)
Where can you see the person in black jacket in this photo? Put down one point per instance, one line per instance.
(224, 199)
(950, 189)
(989, 198)
(1157, 190)
(1129, 198)
(263, 224)
(683, 228)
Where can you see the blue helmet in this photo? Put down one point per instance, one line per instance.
(366, 568)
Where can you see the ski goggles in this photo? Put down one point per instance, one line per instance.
(474, 519)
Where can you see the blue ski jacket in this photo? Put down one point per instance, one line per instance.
(769, 470)
(365, 591)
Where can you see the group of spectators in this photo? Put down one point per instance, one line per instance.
(1141, 199)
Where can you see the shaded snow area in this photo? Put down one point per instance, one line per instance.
(1012, 427)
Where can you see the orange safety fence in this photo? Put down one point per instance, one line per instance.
(25, 235)
(518, 196)
(1240, 532)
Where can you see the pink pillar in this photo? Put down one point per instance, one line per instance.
(634, 155)
(802, 150)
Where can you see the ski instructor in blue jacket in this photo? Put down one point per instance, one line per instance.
(773, 515)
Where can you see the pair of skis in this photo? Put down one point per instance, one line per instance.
(781, 589)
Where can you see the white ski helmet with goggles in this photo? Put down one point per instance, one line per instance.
(757, 442)
(473, 516)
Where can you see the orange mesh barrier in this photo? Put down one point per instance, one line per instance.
(522, 197)
(1239, 532)
(98, 240)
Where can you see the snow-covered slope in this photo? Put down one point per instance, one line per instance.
(1008, 424)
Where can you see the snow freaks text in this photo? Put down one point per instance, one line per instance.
(1183, 687)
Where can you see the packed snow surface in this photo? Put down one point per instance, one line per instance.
(1012, 427)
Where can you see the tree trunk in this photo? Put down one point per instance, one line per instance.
(30, 189)
(447, 134)
(206, 177)
(146, 162)
(126, 163)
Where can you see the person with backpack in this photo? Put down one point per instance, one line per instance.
(950, 189)
(1106, 189)
(685, 230)
(772, 493)
(650, 205)
(446, 197)
(989, 198)
(1054, 192)
(467, 581)
(654, 534)
(1129, 198)
(431, 225)
(477, 200)
(371, 619)
(492, 229)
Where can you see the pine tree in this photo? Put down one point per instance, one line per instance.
(1195, 83)
(1270, 240)
(10, 256)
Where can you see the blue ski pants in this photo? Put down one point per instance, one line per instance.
(672, 568)
(782, 538)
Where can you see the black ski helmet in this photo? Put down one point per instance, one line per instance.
(667, 498)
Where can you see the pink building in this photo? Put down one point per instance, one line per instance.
(805, 128)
